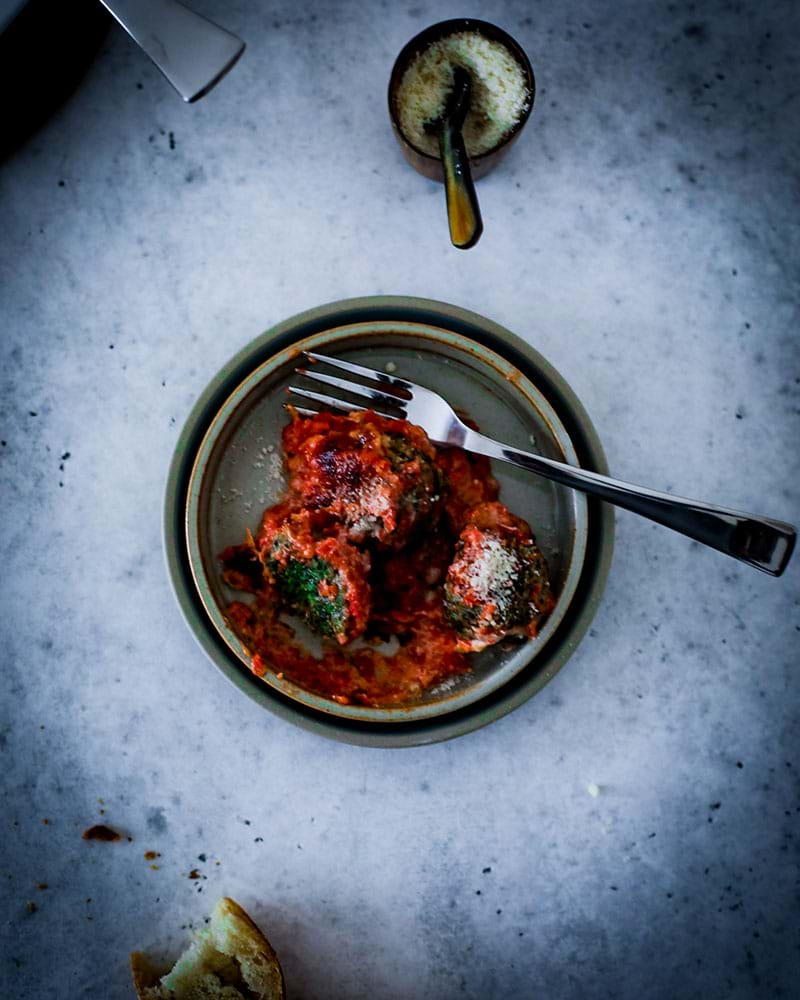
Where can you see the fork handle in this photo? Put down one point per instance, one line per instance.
(762, 542)
(192, 52)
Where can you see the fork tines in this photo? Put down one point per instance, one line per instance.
(392, 400)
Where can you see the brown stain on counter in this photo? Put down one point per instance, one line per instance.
(102, 833)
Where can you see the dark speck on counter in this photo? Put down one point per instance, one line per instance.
(101, 832)
(698, 32)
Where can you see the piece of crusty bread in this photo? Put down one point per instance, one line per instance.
(230, 959)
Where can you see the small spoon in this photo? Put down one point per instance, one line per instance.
(463, 213)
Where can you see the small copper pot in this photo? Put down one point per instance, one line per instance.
(431, 166)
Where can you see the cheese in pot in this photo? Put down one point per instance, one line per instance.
(500, 95)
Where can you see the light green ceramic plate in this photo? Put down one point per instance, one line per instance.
(227, 470)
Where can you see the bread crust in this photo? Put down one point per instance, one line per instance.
(145, 974)
(258, 956)
(233, 932)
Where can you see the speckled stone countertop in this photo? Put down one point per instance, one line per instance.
(644, 236)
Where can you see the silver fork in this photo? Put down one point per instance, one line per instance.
(762, 542)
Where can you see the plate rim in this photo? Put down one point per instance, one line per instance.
(600, 528)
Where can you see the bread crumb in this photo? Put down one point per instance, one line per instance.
(593, 789)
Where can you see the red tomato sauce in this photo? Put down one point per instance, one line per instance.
(405, 582)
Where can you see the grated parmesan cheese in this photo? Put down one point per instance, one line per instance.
(494, 571)
(500, 95)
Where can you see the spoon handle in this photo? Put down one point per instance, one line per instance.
(463, 212)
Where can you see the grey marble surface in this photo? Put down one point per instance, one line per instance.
(644, 236)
